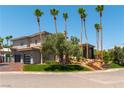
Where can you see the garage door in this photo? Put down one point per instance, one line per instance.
(27, 59)
(17, 58)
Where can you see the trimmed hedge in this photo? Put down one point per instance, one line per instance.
(53, 68)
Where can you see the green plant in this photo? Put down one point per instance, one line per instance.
(56, 44)
(54, 68)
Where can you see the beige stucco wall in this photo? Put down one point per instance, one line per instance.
(17, 43)
(28, 42)
(36, 57)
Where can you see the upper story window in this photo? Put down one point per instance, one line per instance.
(35, 41)
(22, 44)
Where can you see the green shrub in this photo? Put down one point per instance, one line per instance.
(54, 68)
(64, 68)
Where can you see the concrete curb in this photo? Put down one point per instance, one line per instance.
(85, 72)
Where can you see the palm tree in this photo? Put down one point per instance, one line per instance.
(54, 12)
(65, 16)
(97, 37)
(7, 39)
(1, 42)
(100, 9)
(81, 12)
(86, 36)
(8, 46)
(38, 14)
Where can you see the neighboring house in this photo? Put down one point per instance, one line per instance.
(90, 51)
(26, 49)
(4, 55)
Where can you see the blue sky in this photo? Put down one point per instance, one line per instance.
(20, 20)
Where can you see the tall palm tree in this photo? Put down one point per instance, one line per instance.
(81, 12)
(54, 12)
(38, 14)
(7, 39)
(97, 37)
(1, 42)
(8, 46)
(86, 36)
(100, 9)
(65, 16)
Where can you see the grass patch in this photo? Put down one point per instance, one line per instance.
(54, 68)
(114, 65)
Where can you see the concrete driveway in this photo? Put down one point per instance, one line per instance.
(100, 79)
(4, 67)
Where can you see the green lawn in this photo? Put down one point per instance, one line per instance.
(113, 65)
(54, 68)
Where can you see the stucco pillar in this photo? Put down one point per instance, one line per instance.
(12, 59)
(22, 61)
(32, 61)
(41, 58)
(4, 58)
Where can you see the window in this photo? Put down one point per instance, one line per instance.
(22, 43)
(35, 41)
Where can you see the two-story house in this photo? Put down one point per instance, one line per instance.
(27, 49)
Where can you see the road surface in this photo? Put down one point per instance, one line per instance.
(101, 79)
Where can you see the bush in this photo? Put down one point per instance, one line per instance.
(64, 68)
(54, 68)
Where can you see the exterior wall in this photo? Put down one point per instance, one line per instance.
(33, 41)
(28, 42)
(19, 44)
(34, 56)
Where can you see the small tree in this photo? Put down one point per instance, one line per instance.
(61, 47)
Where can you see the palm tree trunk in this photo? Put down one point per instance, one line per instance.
(40, 40)
(102, 44)
(81, 37)
(98, 42)
(87, 47)
(65, 28)
(101, 37)
(55, 24)
(8, 51)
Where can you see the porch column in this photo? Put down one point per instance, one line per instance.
(32, 61)
(13, 58)
(22, 59)
(4, 58)
(41, 58)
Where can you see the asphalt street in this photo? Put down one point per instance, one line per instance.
(102, 79)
